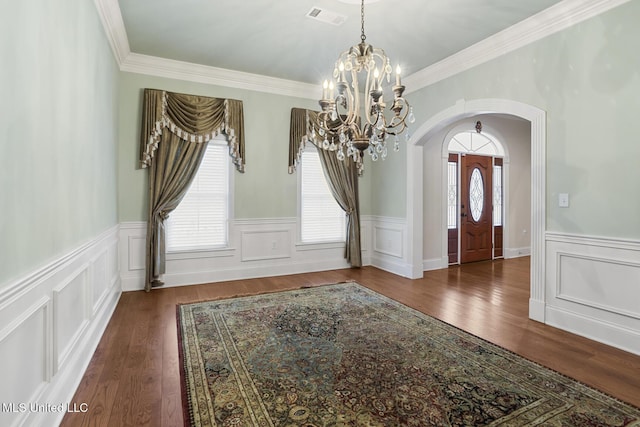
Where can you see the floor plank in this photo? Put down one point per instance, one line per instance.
(133, 378)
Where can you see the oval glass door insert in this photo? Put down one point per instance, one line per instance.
(476, 194)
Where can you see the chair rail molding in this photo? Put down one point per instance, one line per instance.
(51, 322)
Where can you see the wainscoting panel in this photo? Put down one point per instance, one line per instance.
(265, 244)
(50, 324)
(97, 274)
(261, 247)
(70, 317)
(580, 278)
(136, 249)
(389, 245)
(592, 288)
(388, 241)
(104, 275)
(24, 351)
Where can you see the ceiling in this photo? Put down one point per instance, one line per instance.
(276, 39)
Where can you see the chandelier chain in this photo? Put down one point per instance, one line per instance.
(350, 125)
(362, 36)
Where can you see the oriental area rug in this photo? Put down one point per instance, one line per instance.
(343, 355)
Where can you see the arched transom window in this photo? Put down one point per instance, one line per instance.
(472, 142)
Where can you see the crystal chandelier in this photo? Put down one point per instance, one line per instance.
(352, 119)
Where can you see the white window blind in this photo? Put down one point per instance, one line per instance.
(321, 218)
(200, 220)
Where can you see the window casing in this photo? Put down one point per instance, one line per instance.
(321, 218)
(201, 219)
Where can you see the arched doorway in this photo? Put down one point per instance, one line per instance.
(415, 172)
(475, 208)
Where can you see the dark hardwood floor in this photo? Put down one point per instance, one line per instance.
(133, 378)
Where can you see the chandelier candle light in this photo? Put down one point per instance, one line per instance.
(345, 123)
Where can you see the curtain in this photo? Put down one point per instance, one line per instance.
(298, 131)
(175, 130)
(342, 177)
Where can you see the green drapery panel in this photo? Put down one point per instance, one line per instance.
(174, 136)
(342, 177)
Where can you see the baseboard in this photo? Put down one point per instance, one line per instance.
(516, 252)
(135, 282)
(392, 265)
(51, 322)
(262, 247)
(536, 310)
(594, 329)
(435, 264)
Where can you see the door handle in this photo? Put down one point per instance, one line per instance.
(463, 215)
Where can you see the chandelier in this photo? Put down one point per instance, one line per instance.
(353, 119)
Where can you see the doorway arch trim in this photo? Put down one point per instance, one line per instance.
(415, 172)
(501, 152)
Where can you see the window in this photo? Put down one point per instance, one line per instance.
(452, 195)
(200, 221)
(497, 193)
(321, 218)
(472, 142)
(475, 143)
(476, 194)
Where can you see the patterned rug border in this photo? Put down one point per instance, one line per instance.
(186, 400)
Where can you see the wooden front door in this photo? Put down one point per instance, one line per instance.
(476, 235)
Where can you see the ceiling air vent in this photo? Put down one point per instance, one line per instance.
(326, 16)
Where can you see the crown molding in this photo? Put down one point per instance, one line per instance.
(111, 17)
(162, 67)
(551, 20)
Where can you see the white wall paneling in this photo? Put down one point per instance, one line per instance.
(265, 244)
(262, 248)
(50, 324)
(71, 314)
(25, 350)
(592, 288)
(388, 240)
(257, 248)
(389, 245)
(135, 246)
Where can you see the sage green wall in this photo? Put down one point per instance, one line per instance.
(58, 85)
(265, 190)
(587, 80)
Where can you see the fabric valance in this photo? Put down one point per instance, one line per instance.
(196, 119)
(299, 131)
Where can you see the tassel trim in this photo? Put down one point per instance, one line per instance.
(166, 123)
